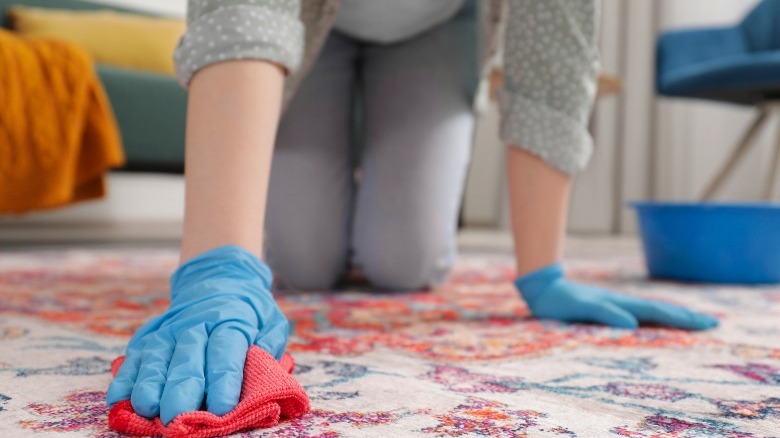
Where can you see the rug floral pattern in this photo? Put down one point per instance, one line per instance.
(464, 360)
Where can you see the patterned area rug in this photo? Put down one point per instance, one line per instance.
(464, 360)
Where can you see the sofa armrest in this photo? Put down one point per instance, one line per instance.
(151, 112)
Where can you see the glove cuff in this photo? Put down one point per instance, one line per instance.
(533, 285)
(229, 260)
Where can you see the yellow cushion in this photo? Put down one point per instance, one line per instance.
(120, 39)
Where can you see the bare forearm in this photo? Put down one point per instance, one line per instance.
(232, 118)
(538, 200)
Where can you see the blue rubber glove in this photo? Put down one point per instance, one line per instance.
(220, 306)
(551, 296)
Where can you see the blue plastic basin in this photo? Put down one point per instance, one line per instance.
(711, 242)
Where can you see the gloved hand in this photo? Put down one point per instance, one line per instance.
(220, 305)
(551, 296)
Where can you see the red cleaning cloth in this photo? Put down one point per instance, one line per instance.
(269, 393)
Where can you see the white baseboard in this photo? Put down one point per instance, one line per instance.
(142, 206)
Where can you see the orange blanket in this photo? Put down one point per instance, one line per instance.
(58, 135)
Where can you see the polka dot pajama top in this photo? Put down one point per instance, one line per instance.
(550, 59)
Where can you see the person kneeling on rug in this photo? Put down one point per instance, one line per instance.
(411, 67)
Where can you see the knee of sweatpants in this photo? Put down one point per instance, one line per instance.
(306, 268)
(405, 264)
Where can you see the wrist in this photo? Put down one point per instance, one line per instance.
(534, 284)
(229, 262)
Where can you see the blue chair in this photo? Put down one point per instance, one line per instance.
(738, 64)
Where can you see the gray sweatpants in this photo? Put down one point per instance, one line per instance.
(397, 223)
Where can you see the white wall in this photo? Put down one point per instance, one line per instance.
(675, 13)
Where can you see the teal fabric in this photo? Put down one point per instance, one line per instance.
(150, 108)
(738, 64)
(762, 27)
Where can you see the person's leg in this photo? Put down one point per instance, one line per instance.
(418, 135)
(311, 177)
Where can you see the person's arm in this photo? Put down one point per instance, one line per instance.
(241, 51)
(538, 201)
(220, 299)
(232, 58)
(551, 65)
(231, 127)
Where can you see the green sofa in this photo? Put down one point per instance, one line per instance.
(149, 107)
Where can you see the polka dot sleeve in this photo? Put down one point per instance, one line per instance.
(222, 30)
(550, 72)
